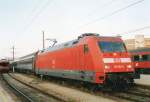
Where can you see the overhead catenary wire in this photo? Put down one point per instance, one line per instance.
(112, 13)
(36, 15)
(33, 17)
(101, 6)
(36, 11)
(36, 7)
(136, 30)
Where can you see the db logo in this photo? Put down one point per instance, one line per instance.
(117, 60)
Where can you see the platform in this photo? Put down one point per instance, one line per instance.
(4, 95)
(144, 80)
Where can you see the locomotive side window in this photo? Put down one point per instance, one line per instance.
(86, 48)
(112, 46)
(144, 57)
(136, 58)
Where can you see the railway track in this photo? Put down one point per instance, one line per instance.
(8, 91)
(136, 94)
(29, 93)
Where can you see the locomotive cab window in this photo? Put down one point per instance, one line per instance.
(106, 46)
(136, 58)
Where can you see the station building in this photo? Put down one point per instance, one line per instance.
(139, 41)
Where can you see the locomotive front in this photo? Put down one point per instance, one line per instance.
(117, 64)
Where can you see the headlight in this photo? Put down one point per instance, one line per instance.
(136, 64)
(129, 66)
(107, 67)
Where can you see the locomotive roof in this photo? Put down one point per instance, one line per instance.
(59, 46)
(73, 42)
(69, 43)
(140, 50)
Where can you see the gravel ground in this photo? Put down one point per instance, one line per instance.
(65, 93)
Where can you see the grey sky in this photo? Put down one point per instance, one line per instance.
(21, 21)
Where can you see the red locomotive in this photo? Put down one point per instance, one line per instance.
(4, 66)
(91, 58)
(141, 59)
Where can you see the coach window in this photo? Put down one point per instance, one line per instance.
(136, 58)
(145, 57)
(148, 57)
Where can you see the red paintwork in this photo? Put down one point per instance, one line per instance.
(74, 58)
(141, 65)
